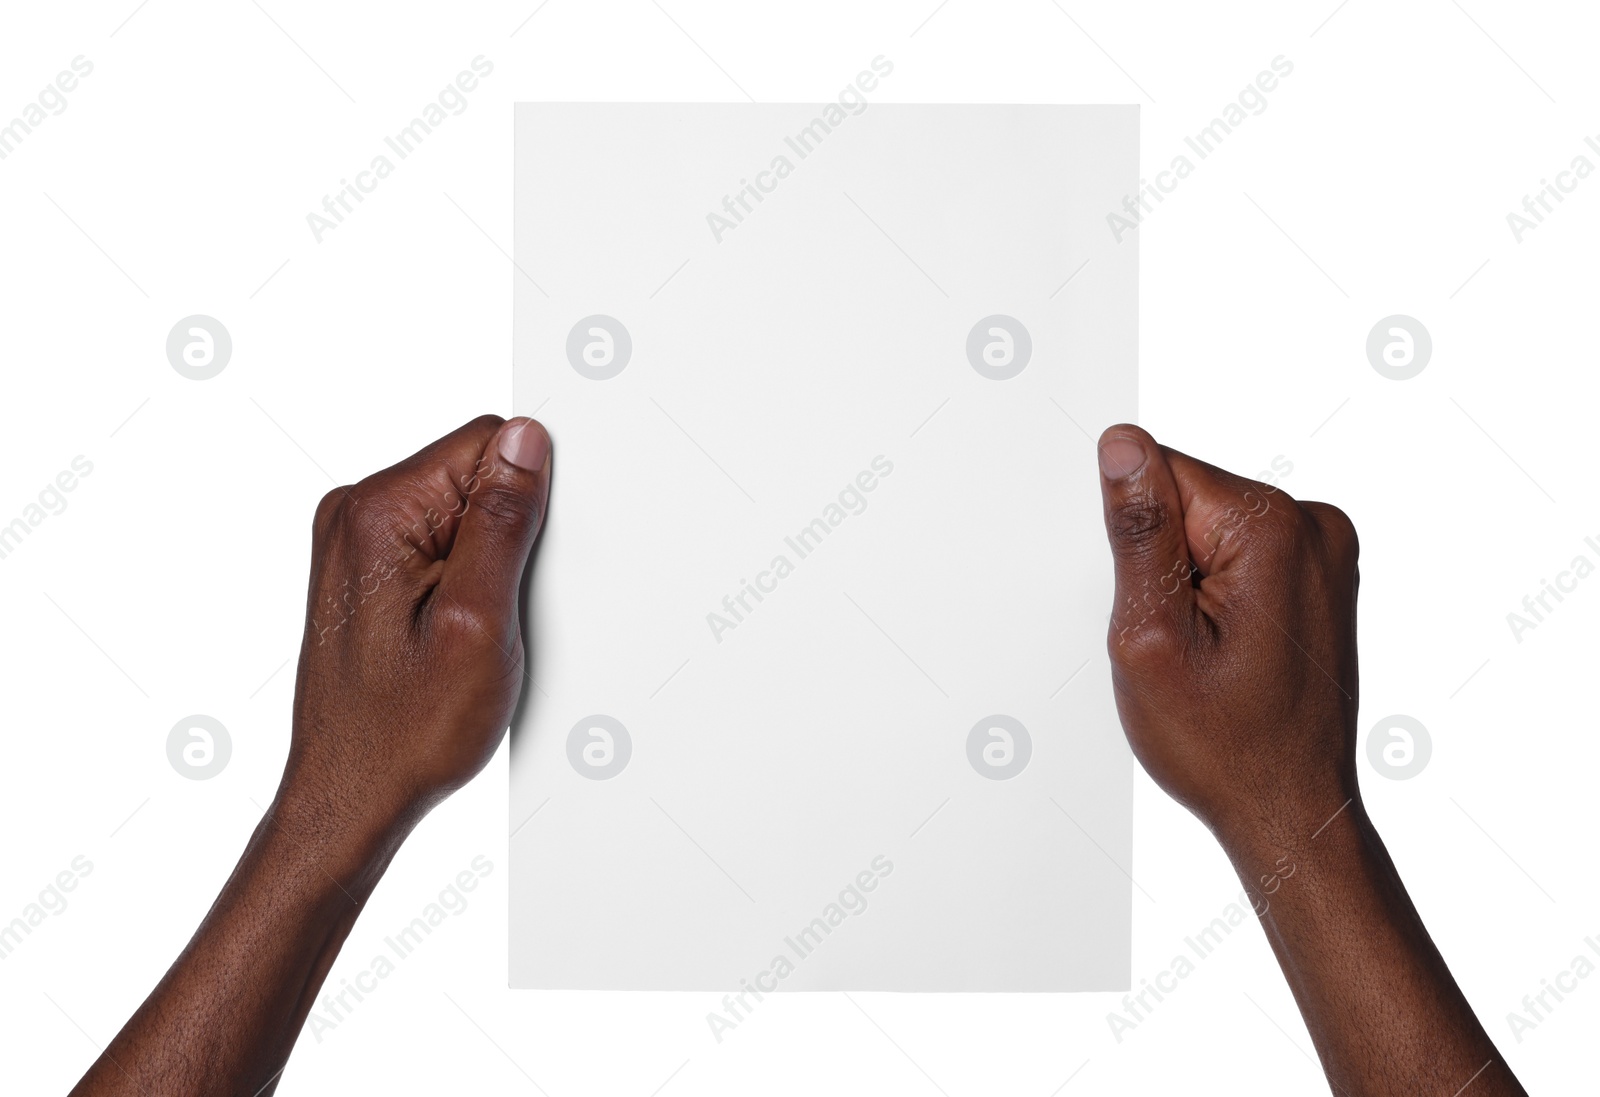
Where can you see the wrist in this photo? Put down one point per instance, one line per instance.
(1308, 827)
(1310, 864)
(350, 839)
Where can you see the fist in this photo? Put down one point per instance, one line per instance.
(1232, 640)
(412, 658)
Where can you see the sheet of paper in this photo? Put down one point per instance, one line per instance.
(819, 616)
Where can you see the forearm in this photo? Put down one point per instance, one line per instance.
(228, 1011)
(402, 703)
(1382, 1007)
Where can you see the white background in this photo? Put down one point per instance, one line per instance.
(177, 182)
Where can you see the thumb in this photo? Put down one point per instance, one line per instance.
(1144, 523)
(506, 500)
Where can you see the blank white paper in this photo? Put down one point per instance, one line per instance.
(819, 697)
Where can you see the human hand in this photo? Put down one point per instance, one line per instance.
(409, 667)
(412, 658)
(1233, 658)
(1233, 639)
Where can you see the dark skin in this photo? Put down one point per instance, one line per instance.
(411, 663)
(1233, 658)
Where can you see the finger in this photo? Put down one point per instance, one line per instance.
(1144, 523)
(505, 508)
(429, 489)
(1221, 508)
(1338, 531)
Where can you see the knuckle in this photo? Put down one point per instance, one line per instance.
(1286, 527)
(328, 508)
(502, 504)
(371, 520)
(1155, 653)
(459, 621)
(1336, 528)
(1274, 532)
(1136, 523)
(1141, 645)
(487, 423)
(367, 519)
